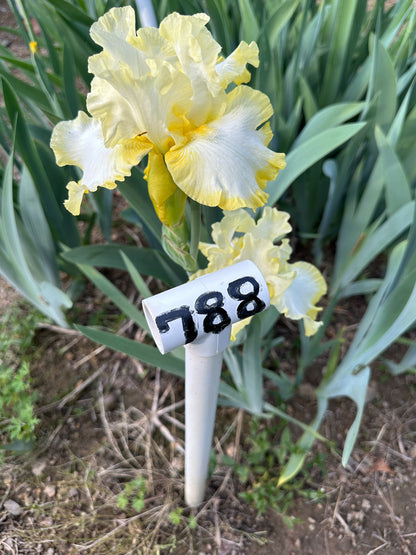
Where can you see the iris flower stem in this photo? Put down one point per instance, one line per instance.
(195, 228)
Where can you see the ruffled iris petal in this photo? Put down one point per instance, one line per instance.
(197, 54)
(80, 143)
(153, 103)
(298, 301)
(273, 224)
(226, 160)
(75, 195)
(232, 222)
(233, 68)
(294, 288)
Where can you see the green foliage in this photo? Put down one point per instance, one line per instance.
(176, 517)
(43, 86)
(17, 419)
(27, 253)
(133, 494)
(259, 467)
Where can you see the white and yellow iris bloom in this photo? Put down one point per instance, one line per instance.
(165, 93)
(294, 288)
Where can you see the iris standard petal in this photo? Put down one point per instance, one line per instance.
(262, 252)
(218, 259)
(115, 32)
(226, 161)
(139, 85)
(233, 68)
(155, 104)
(273, 224)
(118, 118)
(197, 54)
(232, 222)
(298, 300)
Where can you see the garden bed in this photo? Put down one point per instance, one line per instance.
(105, 419)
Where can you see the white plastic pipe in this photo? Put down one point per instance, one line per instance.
(203, 363)
(199, 315)
(146, 13)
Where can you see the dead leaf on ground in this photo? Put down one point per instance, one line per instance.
(380, 465)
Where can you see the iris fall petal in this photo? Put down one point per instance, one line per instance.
(219, 166)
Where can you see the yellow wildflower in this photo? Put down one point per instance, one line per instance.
(33, 47)
(164, 92)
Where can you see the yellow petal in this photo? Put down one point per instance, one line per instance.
(197, 54)
(225, 163)
(218, 258)
(118, 119)
(154, 103)
(75, 195)
(167, 199)
(139, 85)
(238, 326)
(114, 29)
(273, 224)
(262, 252)
(233, 68)
(79, 142)
(232, 222)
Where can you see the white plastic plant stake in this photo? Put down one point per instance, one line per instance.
(199, 315)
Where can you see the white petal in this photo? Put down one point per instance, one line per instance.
(80, 143)
(226, 162)
(153, 104)
(298, 300)
(115, 31)
(232, 222)
(273, 224)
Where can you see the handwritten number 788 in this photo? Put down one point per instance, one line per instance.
(211, 304)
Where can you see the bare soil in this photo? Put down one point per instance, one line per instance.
(105, 419)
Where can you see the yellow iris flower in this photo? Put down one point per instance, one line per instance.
(166, 93)
(294, 288)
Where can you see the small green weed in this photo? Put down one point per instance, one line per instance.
(133, 494)
(176, 517)
(16, 403)
(260, 467)
(17, 419)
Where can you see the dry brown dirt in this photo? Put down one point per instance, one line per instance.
(106, 419)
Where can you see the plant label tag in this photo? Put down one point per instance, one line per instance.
(206, 306)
